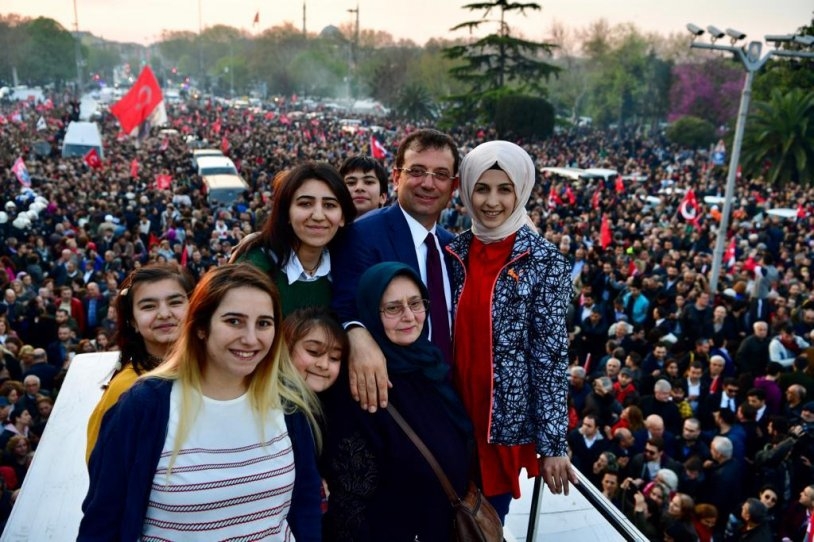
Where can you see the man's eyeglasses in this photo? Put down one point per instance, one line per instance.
(420, 172)
(394, 310)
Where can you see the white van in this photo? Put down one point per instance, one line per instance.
(223, 190)
(80, 137)
(200, 153)
(215, 165)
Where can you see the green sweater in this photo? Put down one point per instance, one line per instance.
(292, 296)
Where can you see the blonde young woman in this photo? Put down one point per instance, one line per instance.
(206, 445)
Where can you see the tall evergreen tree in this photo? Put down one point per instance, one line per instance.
(497, 64)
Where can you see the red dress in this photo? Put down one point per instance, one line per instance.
(500, 465)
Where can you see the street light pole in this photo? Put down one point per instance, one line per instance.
(77, 51)
(752, 61)
(354, 51)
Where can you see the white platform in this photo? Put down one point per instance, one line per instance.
(49, 506)
(570, 518)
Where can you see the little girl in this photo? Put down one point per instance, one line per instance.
(317, 344)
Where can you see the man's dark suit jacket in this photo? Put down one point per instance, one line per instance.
(379, 236)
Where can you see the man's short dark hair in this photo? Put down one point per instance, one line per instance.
(658, 442)
(757, 392)
(365, 164)
(428, 138)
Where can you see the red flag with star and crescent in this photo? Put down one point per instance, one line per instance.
(139, 103)
(689, 208)
(92, 159)
(377, 150)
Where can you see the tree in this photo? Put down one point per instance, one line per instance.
(415, 103)
(709, 90)
(691, 132)
(786, 73)
(779, 138)
(498, 61)
(47, 54)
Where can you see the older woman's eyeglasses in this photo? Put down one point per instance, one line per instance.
(394, 310)
(420, 172)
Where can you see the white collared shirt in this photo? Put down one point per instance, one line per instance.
(294, 270)
(419, 234)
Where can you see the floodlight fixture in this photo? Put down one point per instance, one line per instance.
(715, 32)
(805, 40)
(779, 38)
(736, 35)
(695, 30)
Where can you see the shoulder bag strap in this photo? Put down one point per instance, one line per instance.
(452, 495)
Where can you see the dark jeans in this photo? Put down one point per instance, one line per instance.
(501, 505)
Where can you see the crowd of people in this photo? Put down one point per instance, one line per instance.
(690, 409)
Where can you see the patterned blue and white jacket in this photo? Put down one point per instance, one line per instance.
(529, 341)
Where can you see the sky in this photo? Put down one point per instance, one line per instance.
(142, 21)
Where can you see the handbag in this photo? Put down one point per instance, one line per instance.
(474, 519)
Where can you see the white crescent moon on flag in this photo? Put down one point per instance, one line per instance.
(687, 211)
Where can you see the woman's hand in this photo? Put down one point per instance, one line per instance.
(556, 473)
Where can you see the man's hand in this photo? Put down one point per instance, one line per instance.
(367, 370)
(556, 473)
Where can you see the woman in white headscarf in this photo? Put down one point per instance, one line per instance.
(511, 289)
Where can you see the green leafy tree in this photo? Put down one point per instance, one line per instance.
(102, 59)
(692, 132)
(414, 102)
(47, 54)
(629, 81)
(779, 138)
(497, 61)
(786, 73)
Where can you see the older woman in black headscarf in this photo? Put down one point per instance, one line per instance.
(381, 487)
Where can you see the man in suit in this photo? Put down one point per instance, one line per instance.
(424, 177)
(586, 443)
(724, 481)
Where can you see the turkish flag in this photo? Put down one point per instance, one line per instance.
(689, 208)
(134, 168)
(163, 181)
(377, 150)
(92, 159)
(224, 145)
(138, 104)
(620, 185)
(605, 236)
